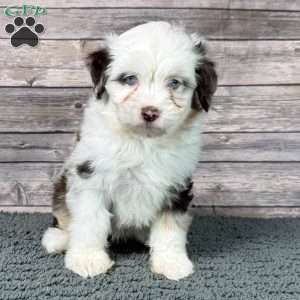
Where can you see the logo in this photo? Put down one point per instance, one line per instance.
(24, 30)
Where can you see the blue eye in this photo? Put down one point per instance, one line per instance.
(128, 79)
(174, 84)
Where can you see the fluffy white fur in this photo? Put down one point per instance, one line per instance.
(134, 164)
(55, 240)
(167, 240)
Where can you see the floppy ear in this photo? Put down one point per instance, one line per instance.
(97, 63)
(206, 78)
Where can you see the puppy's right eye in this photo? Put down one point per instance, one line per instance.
(174, 84)
(130, 80)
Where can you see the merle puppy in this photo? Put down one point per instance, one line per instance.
(130, 173)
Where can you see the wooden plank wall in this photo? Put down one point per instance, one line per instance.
(251, 157)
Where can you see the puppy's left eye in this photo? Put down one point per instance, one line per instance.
(173, 84)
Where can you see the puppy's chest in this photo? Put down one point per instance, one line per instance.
(138, 187)
(137, 194)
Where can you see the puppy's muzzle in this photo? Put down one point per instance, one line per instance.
(150, 113)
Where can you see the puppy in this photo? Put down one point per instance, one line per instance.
(129, 175)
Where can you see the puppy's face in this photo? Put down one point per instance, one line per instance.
(153, 76)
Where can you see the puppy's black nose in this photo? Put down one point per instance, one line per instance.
(150, 113)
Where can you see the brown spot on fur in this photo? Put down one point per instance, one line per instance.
(60, 188)
(181, 198)
(55, 222)
(85, 170)
(59, 207)
(77, 136)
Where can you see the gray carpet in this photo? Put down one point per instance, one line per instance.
(234, 258)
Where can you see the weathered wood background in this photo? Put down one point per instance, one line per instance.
(251, 157)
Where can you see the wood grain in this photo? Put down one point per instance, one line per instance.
(213, 23)
(247, 184)
(27, 184)
(265, 147)
(36, 147)
(253, 108)
(60, 63)
(45, 147)
(217, 184)
(41, 109)
(240, 109)
(286, 5)
(250, 161)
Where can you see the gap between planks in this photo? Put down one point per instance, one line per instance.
(217, 147)
(215, 211)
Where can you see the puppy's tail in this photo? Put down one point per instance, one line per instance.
(55, 240)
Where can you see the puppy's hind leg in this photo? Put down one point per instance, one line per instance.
(56, 238)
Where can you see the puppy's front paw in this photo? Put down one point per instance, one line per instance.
(88, 262)
(172, 265)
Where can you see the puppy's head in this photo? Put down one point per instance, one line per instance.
(152, 77)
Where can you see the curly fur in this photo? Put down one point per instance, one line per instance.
(127, 177)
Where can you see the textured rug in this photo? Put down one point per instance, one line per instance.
(234, 258)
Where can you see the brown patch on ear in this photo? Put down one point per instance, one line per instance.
(97, 62)
(206, 77)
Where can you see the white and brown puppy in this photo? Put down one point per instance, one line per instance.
(130, 173)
